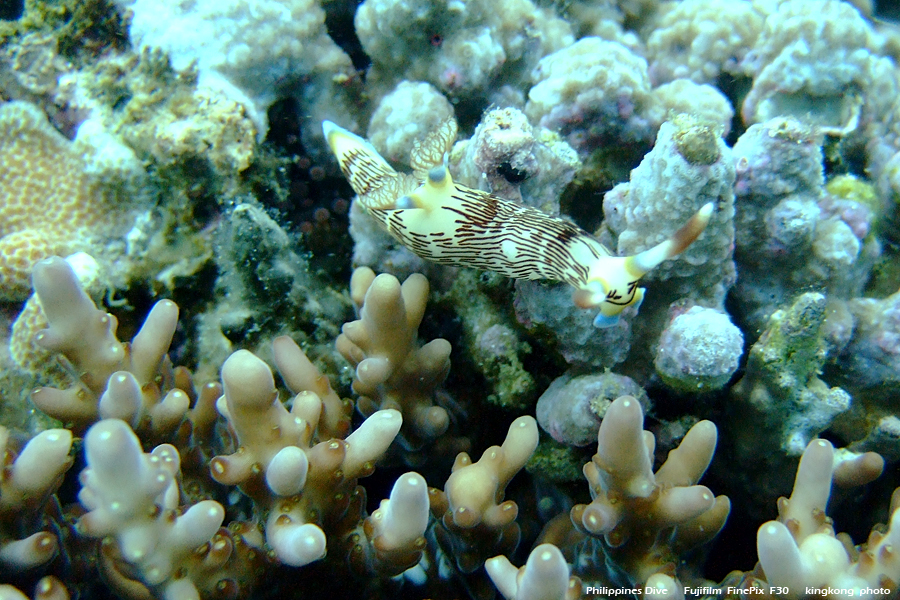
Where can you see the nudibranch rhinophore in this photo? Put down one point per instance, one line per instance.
(452, 224)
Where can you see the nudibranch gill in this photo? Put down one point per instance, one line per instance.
(452, 224)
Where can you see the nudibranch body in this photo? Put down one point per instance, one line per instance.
(452, 224)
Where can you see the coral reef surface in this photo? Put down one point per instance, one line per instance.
(449, 299)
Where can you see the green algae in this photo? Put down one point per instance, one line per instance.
(491, 342)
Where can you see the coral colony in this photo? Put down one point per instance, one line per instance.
(449, 299)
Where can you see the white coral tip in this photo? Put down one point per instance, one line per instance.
(286, 473)
(298, 545)
(406, 513)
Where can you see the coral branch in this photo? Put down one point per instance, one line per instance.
(474, 521)
(134, 498)
(544, 577)
(647, 519)
(392, 370)
(86, 337)
(26, 483)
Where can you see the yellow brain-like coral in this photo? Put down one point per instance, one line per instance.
(48, 205)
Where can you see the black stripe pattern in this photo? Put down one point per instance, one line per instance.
(477, 229)
(464, 226)
(365, 173)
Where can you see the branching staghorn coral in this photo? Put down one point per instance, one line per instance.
(134, 498)
(27, 480)
(296, 467)
(474, 523)
(800, 548)
(392, 370)
(789, 241)
(48, 588)
(453, 224)
(305, 479)
(545, 576)
(114, 379)
(800, 551)
(645, 520)
(24, 349)
(391, 540)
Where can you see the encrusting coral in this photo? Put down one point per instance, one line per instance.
(689, 167)
(791, 234)
(590, 92)
(411, 109)
(48, 204)
(492, 339)
(699, 350)
(782, 379)
(700, 39)
(573, 407)
(821, 65)
(509, 157)
(871, 361)
(269, 289)
(702, 102)
(250, 51)
(462, 49)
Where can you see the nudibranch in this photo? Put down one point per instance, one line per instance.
(452, 224)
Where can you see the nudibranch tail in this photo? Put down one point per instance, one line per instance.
(649, 259)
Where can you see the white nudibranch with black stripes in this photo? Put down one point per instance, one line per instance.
(452, 224)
